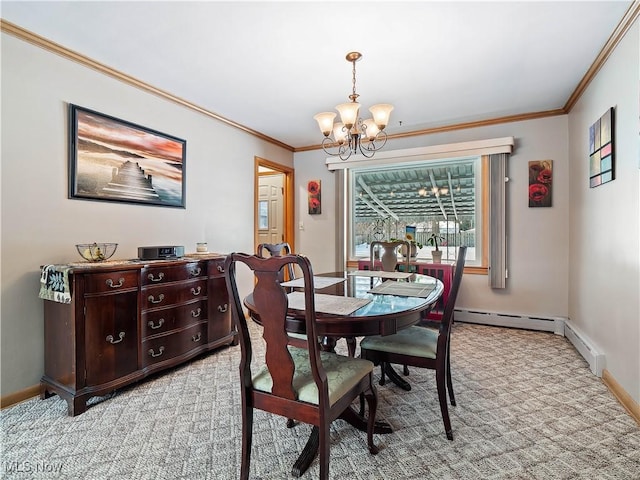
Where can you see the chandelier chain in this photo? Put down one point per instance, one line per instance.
(355, 95)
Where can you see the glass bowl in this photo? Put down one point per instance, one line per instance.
(96, 252)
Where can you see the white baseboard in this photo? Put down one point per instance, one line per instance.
(546, 324)
(557, 325)
(582, 343)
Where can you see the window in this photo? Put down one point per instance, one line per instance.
(437, 197)
(490, 198)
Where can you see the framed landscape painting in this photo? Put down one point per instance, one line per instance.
(115, 160)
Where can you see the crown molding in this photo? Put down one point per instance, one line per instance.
(625, 24)
(623, 27)
(30, 37)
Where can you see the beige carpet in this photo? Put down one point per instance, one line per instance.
(528, 408)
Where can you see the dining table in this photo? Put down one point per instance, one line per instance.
(352, 304)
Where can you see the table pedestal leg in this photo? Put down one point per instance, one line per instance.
(308, 453)
(311, 448)
(395, 378)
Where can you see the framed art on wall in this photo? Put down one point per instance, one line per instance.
(601, 150)
(314, 198)
(540, 183)
(118, 161)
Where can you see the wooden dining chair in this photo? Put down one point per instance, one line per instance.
(423, 347)
(277, 250)
(388, 254)
(306, 384)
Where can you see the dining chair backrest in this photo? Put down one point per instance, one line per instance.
(271, 304)
(388, 254)
(277, 250)
(447, 316)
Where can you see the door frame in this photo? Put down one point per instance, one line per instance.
(287, 200)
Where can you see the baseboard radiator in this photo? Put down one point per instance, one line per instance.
(582, 343)
(557, 325)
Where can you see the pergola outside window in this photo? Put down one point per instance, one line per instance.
(442, 197)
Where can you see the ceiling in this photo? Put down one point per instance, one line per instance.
(270, 66)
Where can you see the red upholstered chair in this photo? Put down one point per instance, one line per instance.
(305, 384)
(423, 347)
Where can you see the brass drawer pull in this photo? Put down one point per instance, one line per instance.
(153, 354)
(223, 308)
(220, 268)
(156, 279)
(196, 271)
(196, 313)
(197, 337)
(152, 299)
(155, 327)
(112, 341)
(109, 283)
(196, 291)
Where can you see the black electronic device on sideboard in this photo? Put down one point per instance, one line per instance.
(164, 252)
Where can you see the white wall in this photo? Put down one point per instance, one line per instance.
(41, 225)
(538, 250)
(604, 279)
(579, 259)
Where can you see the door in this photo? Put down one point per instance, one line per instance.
(273, 204)
(270, 208)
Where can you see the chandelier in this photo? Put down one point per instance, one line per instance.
(353, 135)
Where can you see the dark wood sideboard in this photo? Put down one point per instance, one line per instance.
(130, 319)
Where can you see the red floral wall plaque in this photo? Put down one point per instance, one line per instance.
(313, 192)
(540, 182)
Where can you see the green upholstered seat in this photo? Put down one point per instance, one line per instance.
(414, 341)
(299, 336)
(342, 372)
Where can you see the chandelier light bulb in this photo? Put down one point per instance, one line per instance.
(370, 129)
(325, 122)
(348, 113)
(381, 114)
(340, 133)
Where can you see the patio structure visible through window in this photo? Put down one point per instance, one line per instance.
(441, 197)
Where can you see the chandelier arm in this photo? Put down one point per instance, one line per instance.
(343, 151)
(366, 152)
(377, 143)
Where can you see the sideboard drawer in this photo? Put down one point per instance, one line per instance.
(166, 274)
(165, 295)
(164, 320)
(166, 347)
(111, 281)
(216, 267)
